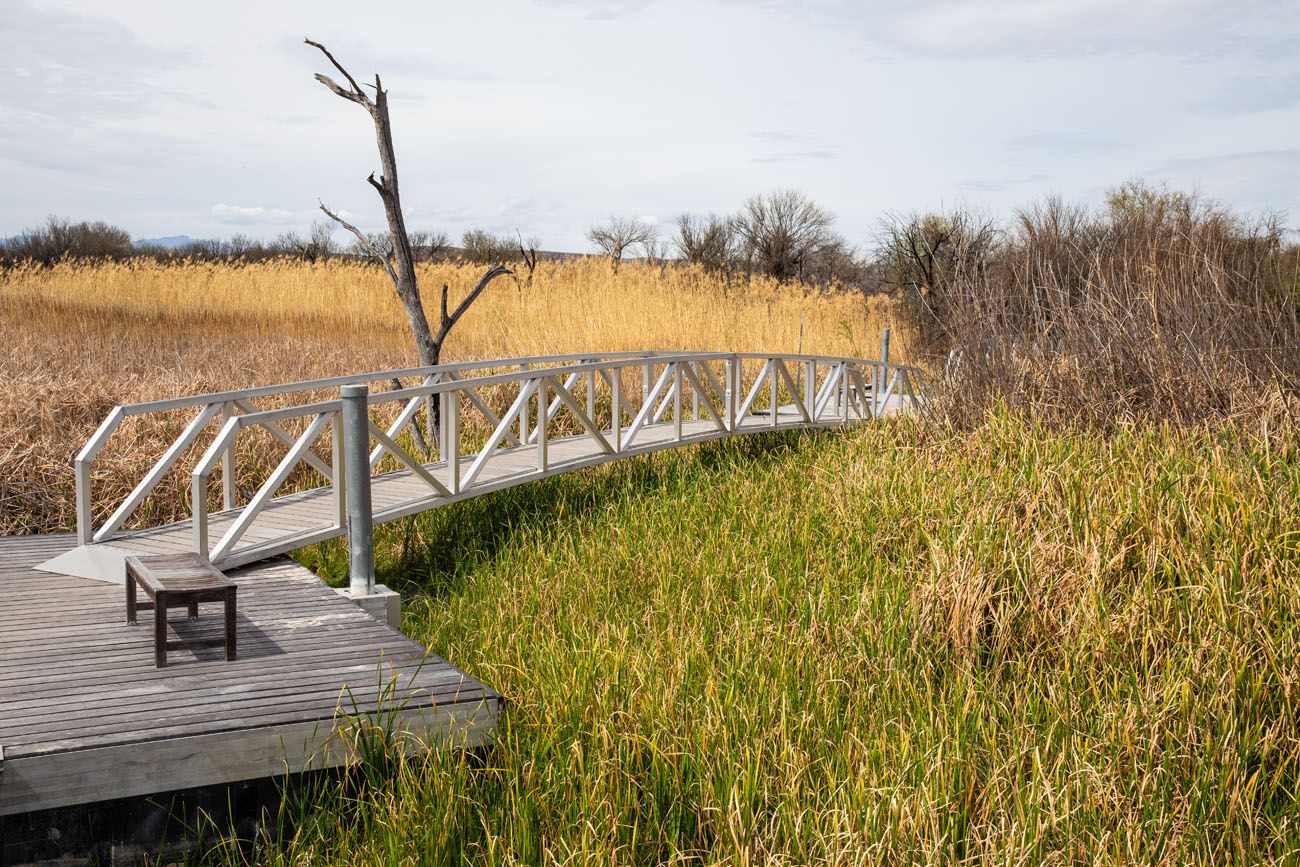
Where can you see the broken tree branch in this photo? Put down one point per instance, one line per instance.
(357, 94)
(369, 246)
(448, 322)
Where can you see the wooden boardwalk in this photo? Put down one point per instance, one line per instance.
(85, 716)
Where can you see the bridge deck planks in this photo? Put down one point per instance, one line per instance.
(312, 516)
(85, 715)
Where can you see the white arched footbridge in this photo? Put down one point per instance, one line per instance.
(441, 434)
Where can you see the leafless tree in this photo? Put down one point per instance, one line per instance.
(429, 244)
(836, 262)
(781, 231)
(709, 242)
(372, 241)
(480, 245)
(59, 237)
(655, 251)
(398, 260)
(288, 243)
(322, 240)
(924, 254)
(620, 234)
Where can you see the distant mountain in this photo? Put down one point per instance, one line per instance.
(171, 242)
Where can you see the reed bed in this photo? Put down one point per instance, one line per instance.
(78, 338)
(578, 305)
(1162, 306)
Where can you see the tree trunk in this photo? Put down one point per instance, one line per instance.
(399, 262)
(408, 288)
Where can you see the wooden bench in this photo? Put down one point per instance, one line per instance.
(174, 580)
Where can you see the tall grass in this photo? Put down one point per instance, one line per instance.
(1161, 305)
(77, 339)
(577, 305)
(1009, 645)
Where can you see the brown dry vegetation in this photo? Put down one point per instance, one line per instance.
(78, 338)
(1159, 306)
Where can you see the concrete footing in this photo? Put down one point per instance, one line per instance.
(384, 605)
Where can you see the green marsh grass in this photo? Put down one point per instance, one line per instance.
(1007, 645)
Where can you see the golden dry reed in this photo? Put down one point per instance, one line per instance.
(78, 338)
(577, 305)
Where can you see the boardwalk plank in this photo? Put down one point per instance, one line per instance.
(82, 703)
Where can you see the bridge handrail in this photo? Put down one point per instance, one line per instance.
(444, 386)
(123, 411)
(354, 378)
(690, 369)
(166, 404)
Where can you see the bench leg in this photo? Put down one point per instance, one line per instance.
(160, 629)
(194, 611)
(130, 599)
(230, 624)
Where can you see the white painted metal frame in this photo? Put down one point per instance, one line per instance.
(779, 391)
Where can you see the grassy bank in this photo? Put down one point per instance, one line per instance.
(1007, 645)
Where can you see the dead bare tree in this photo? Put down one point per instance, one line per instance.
(620, 234)
(397, 257)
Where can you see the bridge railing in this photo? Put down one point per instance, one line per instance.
(447, 428)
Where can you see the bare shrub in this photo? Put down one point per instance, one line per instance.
(781, 232)
(1161, 305)
(709, 242)
(619, 234)
(59, 238)
(320, 242)
(483, 247)
(429, 244)
(835, 263)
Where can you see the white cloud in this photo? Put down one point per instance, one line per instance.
(604, 9)
(1065, 28)
(145, 114)
(87, 64)
(238, 215)
(1064, 143)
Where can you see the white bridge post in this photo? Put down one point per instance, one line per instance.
(356, 471)
(85, 521)
(882, 374)
(732, 373)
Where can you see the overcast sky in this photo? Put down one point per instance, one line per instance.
(203, 118)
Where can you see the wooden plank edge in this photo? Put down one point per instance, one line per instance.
(109, 773)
